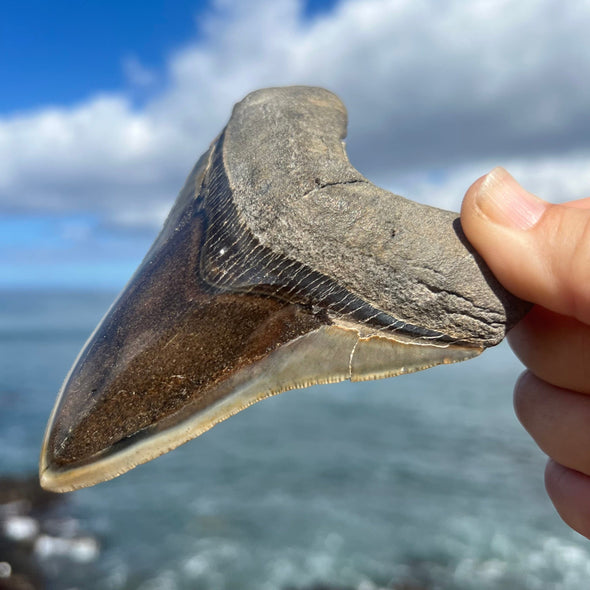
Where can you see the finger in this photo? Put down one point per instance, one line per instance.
(557, 419)
(539, 251)
(569, 491)
(555, 348)
(579, 203)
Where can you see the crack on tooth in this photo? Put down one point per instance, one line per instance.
(352, 351)
(320, 185)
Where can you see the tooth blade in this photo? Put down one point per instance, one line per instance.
(321, 356)
(376, 357)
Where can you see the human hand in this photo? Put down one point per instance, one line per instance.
(541, 252)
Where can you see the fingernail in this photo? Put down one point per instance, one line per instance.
(502, 200)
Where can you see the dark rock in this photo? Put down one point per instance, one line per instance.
(14, 490)
(32, 530)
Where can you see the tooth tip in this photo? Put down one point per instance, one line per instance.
(50, 479)
(47, 481)
(54, 481)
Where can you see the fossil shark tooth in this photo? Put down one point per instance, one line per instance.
(279, 266)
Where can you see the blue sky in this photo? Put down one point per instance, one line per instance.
(106, 105)
(62, 52)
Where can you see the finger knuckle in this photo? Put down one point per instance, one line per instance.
(522, 397)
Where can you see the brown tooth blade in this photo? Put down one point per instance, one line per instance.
(322, 356)
(326, 355)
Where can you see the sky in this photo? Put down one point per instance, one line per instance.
(106, 105)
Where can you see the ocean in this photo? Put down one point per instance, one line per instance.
(423, 481)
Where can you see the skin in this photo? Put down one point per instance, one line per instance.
(541, 252)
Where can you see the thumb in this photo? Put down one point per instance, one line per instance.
(538, 251)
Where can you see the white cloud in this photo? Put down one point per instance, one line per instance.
(136, 73)
(555, 178)
(448, 86)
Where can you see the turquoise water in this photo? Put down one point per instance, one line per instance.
(425, 478)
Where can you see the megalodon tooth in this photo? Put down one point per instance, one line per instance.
(279, 266)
